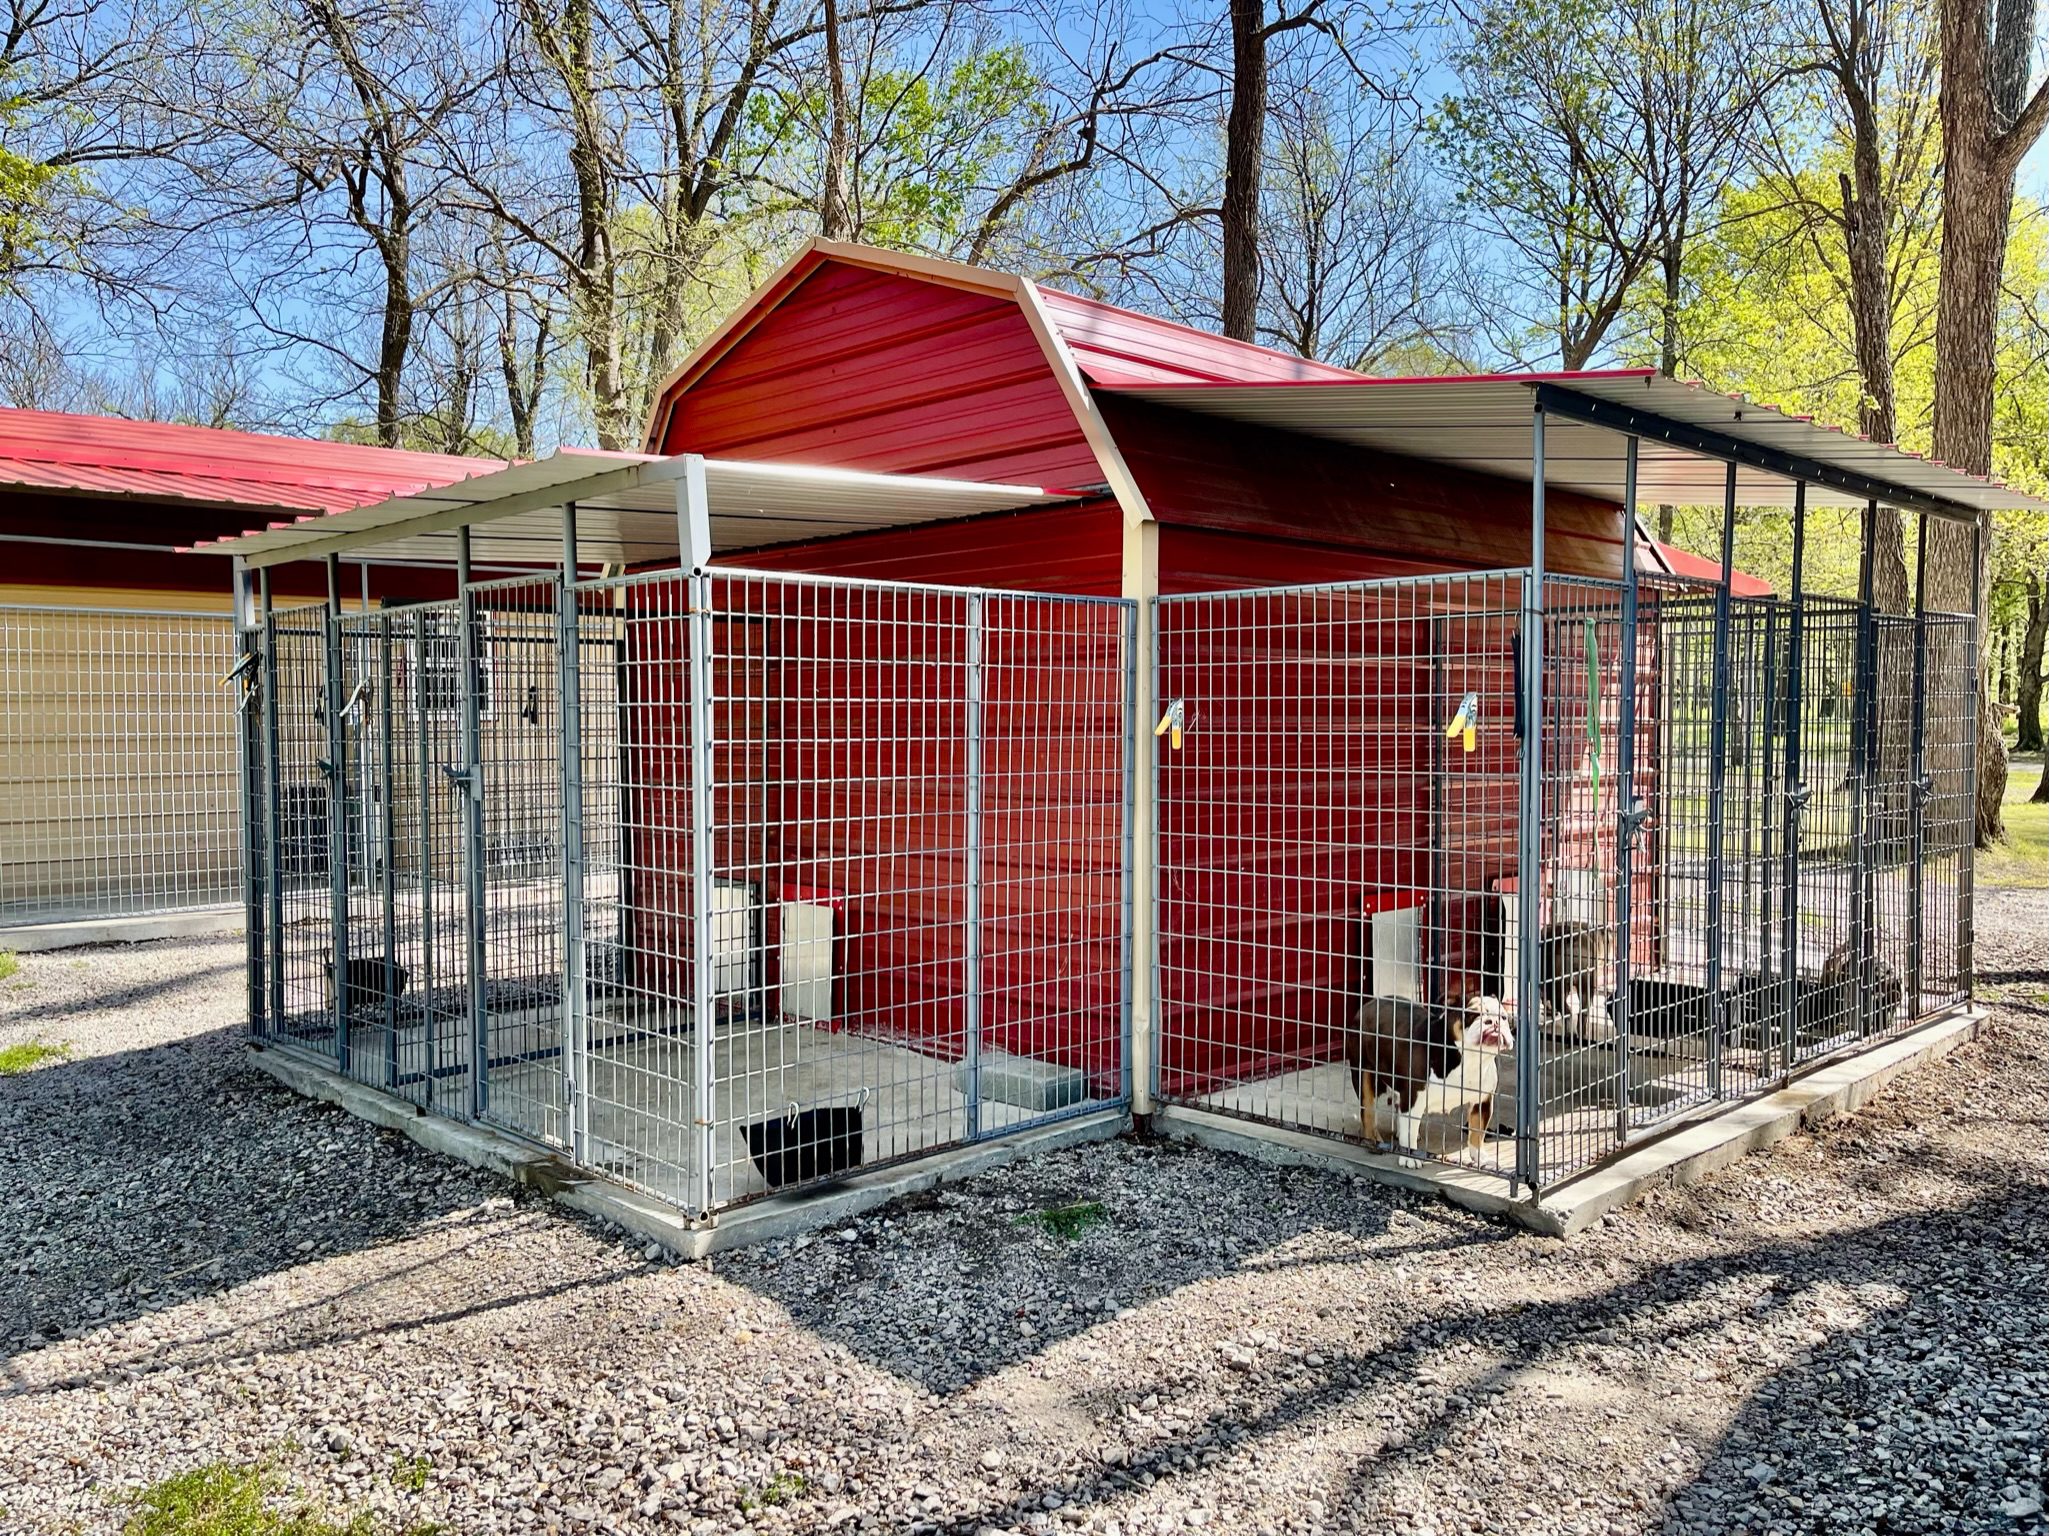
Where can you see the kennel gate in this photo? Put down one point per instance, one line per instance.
(1740, 790)
(632, 867)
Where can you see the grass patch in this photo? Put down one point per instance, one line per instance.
(780, 1489)
(28, 1055)
(222, 1500)
(2023, 860)
(10, 963)
(411, 1473)
(1068, 1222)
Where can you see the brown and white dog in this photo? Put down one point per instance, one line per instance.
(1416, 1061)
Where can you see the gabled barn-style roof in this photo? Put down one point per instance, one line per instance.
(876, 360)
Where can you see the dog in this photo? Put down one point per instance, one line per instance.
(1420, 1062)
(1575, 959)
(363, 982)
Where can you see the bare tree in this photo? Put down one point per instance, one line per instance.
(315, 175)
(1358, 256)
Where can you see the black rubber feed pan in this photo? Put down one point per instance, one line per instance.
(801, 1146)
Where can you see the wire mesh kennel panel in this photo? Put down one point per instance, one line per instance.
(1888, 847)
(1948, 811)
(1830, 823)
(913, 851)
(1336, 776)
(303, 846)
(118, 762)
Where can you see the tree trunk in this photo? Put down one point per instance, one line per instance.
(1865, 224)
(1668, 361)
(835, 211)
(1983, 77)
(2041, 794)
(1243, 146)
(2028, 690)
(395, 340)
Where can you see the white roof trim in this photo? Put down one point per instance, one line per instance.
(626, 511)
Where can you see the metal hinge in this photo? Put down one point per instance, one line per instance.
(465, 779)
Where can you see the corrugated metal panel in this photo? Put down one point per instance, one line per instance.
(1063, 549)
(1483, 425)
(1117, 346)
(873, 370)
(1682, 562)
(1237, 479)
(103, 456)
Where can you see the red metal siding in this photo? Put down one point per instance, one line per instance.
(840, 719)
(1077, 549)
(1230, 478)
(869, 370)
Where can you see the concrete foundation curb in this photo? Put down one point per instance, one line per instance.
(762, 1221)
(1687, 1153)
(199, 923)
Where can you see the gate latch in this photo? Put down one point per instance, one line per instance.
(464, 779)
(1633, 819)
(1173, 723)
(1798, 796)
(1924, 789)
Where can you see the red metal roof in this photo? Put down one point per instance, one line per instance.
(1682, 562)
(1121, 348)
(106, 456)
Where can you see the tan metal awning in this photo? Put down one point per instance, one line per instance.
(627, 510)
(1483, 424)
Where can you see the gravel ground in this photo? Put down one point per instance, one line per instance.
(1842, 1335)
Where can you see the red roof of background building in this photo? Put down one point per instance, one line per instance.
(1684, 563)
(106, 456)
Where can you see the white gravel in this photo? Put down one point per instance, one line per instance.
(1844, 1335)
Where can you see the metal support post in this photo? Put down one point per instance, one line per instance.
(247, 679)
(972, 1044)
(1862, 729)
(337, 768)
(423, 637)
(1128, 959)
(273, 812)
(1967, 874)
(575, 994)
(703, 1023)
(1629, 809)
(1797, 794)
(1530, 836)
(1718, 770)
(1919, 790)
(693, 518)
(387, 853)
(472, 781)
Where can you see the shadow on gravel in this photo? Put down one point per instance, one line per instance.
(20, 1013)
(982, 1284)
(142, 1179)
(1961, 1342)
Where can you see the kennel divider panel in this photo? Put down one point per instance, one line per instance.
(1307, 795)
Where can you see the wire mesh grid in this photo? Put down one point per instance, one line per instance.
(898, 901)
(1948, 811)
(118, 763)
(1336, 782)
(914, 830)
